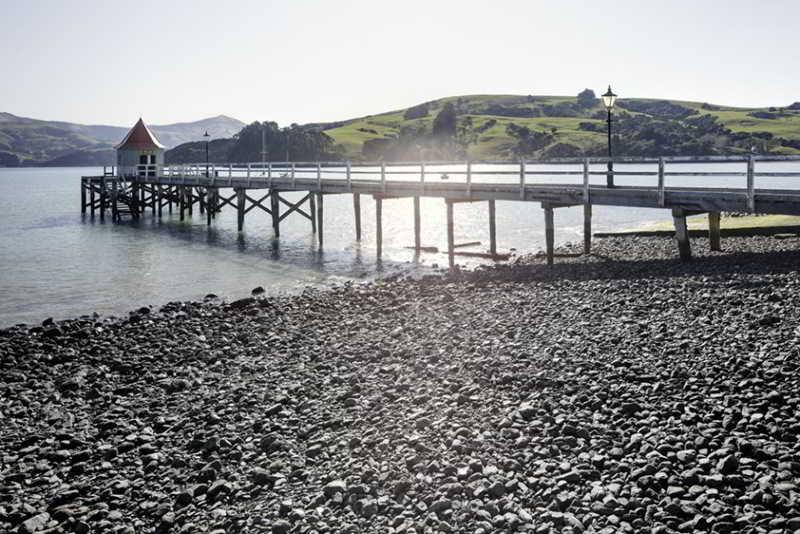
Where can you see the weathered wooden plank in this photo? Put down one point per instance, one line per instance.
(417, 225)
(450, 235)
(274, 198)
(587, 229)
(492, 229)
(357, 214)
(682, 234)
(312, 208)
(379, 226)
(240, 211)
(320, 224)
(714, 230)
(549, 233)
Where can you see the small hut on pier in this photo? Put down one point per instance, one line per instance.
(140, 147)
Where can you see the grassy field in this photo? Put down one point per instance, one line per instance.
(700, 222)
(496, 143)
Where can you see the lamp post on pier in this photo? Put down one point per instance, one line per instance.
(609, 98)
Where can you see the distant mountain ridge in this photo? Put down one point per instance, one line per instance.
(27, 141)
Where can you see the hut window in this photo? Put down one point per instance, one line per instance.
(143, 159)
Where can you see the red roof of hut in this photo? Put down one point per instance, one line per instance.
(140, 138)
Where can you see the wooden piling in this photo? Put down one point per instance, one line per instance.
(209, 206)
(158, 191)
(682, 234)
(170, 194)
(240, 198)
(103, 199)
(714, 231)
(92, 200)
(417, 237)
(213, 207)
(450, 235)
(549, 233)
(319, 219)
(190, 198)
(83, 196)
(379, 225)
(587, 229)
(357, 213)
(114, 191)
(312, 208)
(275, 207)
(492, 230)
(202, 194)
(182, 201)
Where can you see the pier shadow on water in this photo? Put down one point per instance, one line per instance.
(298, 251)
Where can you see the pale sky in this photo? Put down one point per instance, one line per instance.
(109, 61)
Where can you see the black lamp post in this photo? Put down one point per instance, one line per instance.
(609, 98)
(206, 136)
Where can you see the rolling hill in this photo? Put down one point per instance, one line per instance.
(502, 126)
(26, 141)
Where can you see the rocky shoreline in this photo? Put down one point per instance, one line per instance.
(625, 392)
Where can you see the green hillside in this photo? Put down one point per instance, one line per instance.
(507, 126)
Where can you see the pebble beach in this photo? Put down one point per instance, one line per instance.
(621, 392)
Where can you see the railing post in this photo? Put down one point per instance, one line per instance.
(269, 172)
(319, 179)
(469, 178)
(522, 179)
(422, 176)
(349, 180)
(383, 176)
(230, 174)
(751, 184)
(661, 196)
(586, 181)
(294, 181)
(248, 174)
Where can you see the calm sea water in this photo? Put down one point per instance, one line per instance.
(56, 263)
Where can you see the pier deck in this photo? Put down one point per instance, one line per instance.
(133, 190)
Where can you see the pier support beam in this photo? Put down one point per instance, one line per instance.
(714, 230)
(114, 191)
(202, 195)
(357, 213)
(158, 191)
(319, 218)
(240, 198)
(103, 195)
(83, 197)
(549, 233)
(682, 234)
(417, 238)
(92, 200)
(190, 199)
(587, 229)
(182, 201)
(492, 230)
(312, 208)
(379, 225)
(275, 208)
(451, 259)
(209, 206)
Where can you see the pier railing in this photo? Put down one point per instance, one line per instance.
(469, 173)
(685, 185)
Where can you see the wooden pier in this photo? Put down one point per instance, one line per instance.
(135, 190)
